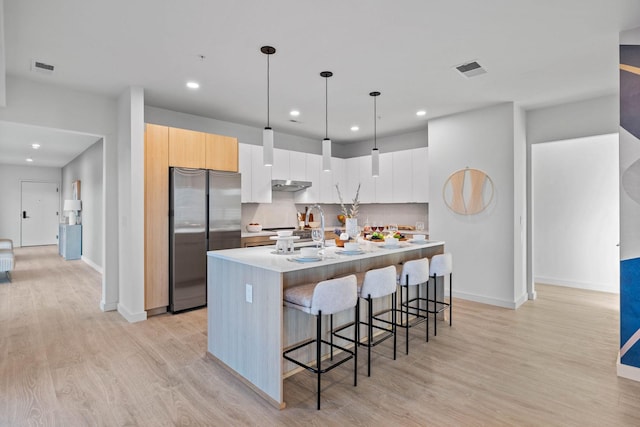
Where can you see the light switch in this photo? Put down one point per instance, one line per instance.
(248, 290)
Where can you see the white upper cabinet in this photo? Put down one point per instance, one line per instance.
(384, 182)
(403, 181)
(255, 178)
(310, 165)
(298, 166)
(280, 168)
(420, 161)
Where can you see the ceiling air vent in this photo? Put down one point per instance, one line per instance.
(470, 69)
(42, 67)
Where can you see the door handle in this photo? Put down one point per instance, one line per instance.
(24, 214)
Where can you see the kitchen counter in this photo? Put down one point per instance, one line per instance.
(248, 326)
(257, 234)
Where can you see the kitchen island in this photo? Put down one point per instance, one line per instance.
(248, 326)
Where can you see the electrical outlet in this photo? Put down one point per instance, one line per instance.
(248, 291)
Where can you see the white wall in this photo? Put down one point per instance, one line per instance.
(482, 245)
(576, 213)
(595, 116)
(57, 107)
(10, 202)
(87, 167)
(131, 204)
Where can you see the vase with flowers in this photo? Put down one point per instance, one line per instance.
(351, 215)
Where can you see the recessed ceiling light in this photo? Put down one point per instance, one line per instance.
(35, 146)
(421, 113)
(29, 159)
(355, 128)
(294, 113)
(193, 85)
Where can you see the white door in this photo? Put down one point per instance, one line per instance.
(40, 209)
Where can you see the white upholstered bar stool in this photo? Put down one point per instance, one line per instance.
(441, 266)
(324, 298)
(414, 273)
(374, 284)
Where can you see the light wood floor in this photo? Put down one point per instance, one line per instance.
(63, 362)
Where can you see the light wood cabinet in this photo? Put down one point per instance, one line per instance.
(221, 153)
(156, 215)
(187, 148)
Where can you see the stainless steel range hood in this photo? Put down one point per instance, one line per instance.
(288, 185)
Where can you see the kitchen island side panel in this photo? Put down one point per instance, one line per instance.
(245, 336)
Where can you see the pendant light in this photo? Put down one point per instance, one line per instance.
(326, 142)
(375, 153)
(267, 133)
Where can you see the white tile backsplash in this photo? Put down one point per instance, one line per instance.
(281, 212)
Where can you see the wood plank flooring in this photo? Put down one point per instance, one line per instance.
(65, 363)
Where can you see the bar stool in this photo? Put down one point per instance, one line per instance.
(414, 273)
(441, 265)
(376, 283)
(326, 297)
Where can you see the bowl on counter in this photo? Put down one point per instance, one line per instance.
(419, 237)
(351, 246)
(284, 233)
(254, 228)
(308, 252)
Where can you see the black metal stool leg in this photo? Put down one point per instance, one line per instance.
(370, 333)
(450, 298)
(331, 336)
(393, 324)
(355, 347)
(318, 353)
(435, 306)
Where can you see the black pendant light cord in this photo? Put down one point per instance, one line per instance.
(268, 50)
(326, 75)
(375, 118)
(268, 90)
(326, 108)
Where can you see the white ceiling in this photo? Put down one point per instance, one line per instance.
(57, 147)
(537, 53)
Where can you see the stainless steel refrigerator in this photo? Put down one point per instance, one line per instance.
(204, 214)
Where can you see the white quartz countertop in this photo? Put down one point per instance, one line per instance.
(265, 256)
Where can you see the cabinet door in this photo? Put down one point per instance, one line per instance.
(221, 153)
(280, 168)
(186, 148)
(384, 182)
(156, 216)
(244, 163)
(420, 158)
(367, 187)
(260, 177)
(352, 172)
(338, 176)
(297, 166)
(403, 176)
(312, 164)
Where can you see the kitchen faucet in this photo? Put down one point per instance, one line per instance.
(306, 220)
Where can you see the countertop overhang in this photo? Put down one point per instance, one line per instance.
(264, 256)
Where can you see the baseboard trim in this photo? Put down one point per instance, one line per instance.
(131, 317)
(111, 306)
(600, 287)
(626, 371)
(485, 300)
(92, 264)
